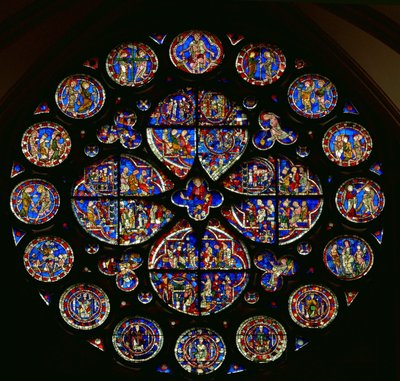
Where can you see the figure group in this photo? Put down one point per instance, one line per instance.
(348, 259)
(348, 148)
(79, 97)
(137, 181)
(177, 109)
(132, 66)
(48, 260)
(260, 65)
(217, 254)
(48, 146)
(217, 291)
(360, 202)
(293, 214)
(314, 96)
(179, 255)
(35, 203)
(294, 180)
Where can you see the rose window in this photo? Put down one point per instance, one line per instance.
(177, 205)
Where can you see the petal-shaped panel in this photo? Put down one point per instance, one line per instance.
(220, 148)
(297, 179)
(99, 217)
(297, 216)
(216, 109)
(174, 147)
(220, 250)
(253, 177)
(140, 220)
(175, 250)
(254, 218)
(176, 109)
(99, 179)
(140, 178)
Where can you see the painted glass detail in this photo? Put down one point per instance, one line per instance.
(261, 339)
(197, 198)
(137, 339)
(80, 96)
(312, 96)
(196, 52)
(48, 258)
(108, 200)
(46, 144)
(347, 144)
(274, 270)
(360, 200)
(84, 306)
(200, 350)
(348, 257)
(272, 131)
(132, 64)
(209, 280)
(260, 64)
(313, 306)
(35, 201)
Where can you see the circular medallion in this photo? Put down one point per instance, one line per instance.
(46, 144)
(48, 259)
(84, 306)
(312, 96)
(360, 200)
(348, 257)
(214, 107)
(145, 297)
(80, 96)
(35, 201)
(252, 297)
(313, 306)
(137, 339)
(261, 339)
(196, 52)
(132, 64)
(126, 279)
(200, 350)
(347, 144)
(260, 64)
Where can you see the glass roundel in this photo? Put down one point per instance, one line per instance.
(132, 64)
(347, 144)
(313, 306)
(200, 350)
(84, 306)
(80, 96)
(360, 200)
(260, 64)
(48, 259)
(196, 52)
(348, 257)
(261, 339)
(312, 96)
(35, 201)
(46, 144)
(137, 339)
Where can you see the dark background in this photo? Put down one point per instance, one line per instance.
(364, 346)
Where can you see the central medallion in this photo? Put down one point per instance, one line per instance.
(197, 198)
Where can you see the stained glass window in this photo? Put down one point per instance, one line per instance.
(197, 203)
